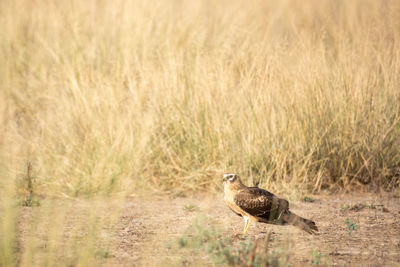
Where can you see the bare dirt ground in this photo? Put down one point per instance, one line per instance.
(154, 224)
(148, 229)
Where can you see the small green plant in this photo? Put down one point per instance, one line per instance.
(319, 258)
(308, 199)
(103, 254)
(351, 226)
(182, 242)
(316, 256)
(190, 207)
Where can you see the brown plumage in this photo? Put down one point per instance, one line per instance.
(259, 205)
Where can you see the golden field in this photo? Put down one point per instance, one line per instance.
(114, 98)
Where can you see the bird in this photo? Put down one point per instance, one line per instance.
(258, 205)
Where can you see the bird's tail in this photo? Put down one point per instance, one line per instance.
(307, 225)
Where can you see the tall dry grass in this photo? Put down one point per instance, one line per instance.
(110, 96)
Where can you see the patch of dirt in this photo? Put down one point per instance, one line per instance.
(148, 228)
(376, 241)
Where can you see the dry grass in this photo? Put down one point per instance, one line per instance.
(114, 97)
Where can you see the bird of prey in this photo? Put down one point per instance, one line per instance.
(259, 205)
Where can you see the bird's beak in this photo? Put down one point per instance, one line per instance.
(223, 179)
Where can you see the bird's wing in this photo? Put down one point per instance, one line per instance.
(259, 202)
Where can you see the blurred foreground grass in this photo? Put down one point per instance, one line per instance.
(59, 232)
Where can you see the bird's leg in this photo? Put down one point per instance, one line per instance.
(247, 228)
(246, 221)
(246, 224)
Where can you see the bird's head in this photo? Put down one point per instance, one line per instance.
(230, 178)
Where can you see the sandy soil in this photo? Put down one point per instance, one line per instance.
(154, 224)
(148, 228)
